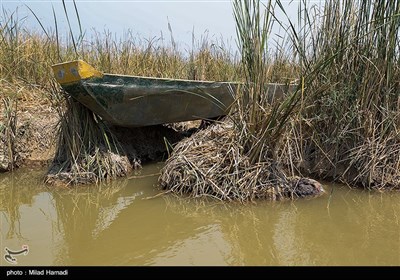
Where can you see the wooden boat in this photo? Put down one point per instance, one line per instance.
(132, 101)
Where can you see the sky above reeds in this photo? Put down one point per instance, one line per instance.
(148, 19)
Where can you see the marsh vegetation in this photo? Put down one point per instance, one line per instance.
(339, 121)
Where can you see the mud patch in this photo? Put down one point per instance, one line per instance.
(32, 140)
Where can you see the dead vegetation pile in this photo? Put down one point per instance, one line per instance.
(86, 151)
(212, 163)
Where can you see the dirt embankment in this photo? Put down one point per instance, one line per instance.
(33, 136)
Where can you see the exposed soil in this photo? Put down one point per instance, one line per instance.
(34, 136)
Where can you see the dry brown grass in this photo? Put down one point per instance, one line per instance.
(212, 163)
(87, 151)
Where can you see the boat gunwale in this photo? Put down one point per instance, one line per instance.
(167, 79)
(185, 80)
(156, 78)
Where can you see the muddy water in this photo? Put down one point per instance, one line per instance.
(124, 224)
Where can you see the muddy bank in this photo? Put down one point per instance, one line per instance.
(33, 139)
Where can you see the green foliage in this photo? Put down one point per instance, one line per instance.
(350, 116)
(261, 119)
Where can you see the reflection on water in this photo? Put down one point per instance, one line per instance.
(125, 223)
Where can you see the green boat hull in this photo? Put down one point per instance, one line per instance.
(132, 101)
(138, 101)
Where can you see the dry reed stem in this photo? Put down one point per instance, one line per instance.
(211, 164)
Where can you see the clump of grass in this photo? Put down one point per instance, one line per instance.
(350, 118)
(260, 119)
(87, 151)
(212, 163)
(240, 161)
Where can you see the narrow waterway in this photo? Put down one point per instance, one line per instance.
(125, 223)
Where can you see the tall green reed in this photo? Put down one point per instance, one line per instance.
(260, 119)
(350, 115)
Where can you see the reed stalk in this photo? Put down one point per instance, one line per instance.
(350, 115)
(260, 120)
(87, 151)
(239, 159)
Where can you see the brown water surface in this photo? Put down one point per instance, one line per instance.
(124, 224)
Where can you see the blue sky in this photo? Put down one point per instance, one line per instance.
(145, 18)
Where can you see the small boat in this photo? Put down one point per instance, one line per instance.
(133, 101)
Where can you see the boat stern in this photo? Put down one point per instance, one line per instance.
(74, 71)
